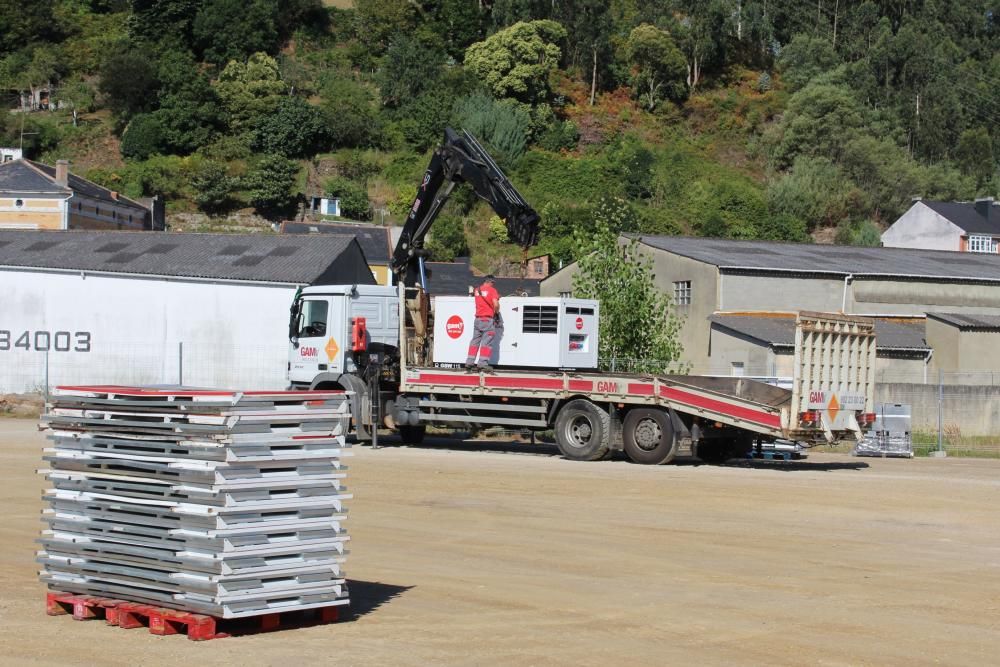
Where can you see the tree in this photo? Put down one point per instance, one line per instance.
(447, 241)
(250, 90)
(212, 186)
(350, 114)
(589, 29)
(129, 83)
(658, 66)
(502, 126)
(188, 109)
(379, 20)
(353, 197)
(516, 62)
(295, 129)
(408, 68)
(167, 21)
(805, 58)
(638, 321)
(974, 155)
(227, 30)
(819, 120)
(25, 22)
(270, 184)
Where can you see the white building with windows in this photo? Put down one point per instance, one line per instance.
(958, 226)
(736, 296)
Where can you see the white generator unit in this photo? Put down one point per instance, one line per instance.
(536, 332)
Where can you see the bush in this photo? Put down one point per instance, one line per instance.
(142, 137)
(502, 126)
(353, 198)
(497, 230)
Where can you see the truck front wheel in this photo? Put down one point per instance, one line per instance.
(648, 436)
(583, 431)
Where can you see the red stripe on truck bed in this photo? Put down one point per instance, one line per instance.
(722, 407)
(524, 382)
(441, 378)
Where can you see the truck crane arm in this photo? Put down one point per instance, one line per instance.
(460, 159)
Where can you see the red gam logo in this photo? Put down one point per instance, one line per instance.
(579, 323)
(454, 326)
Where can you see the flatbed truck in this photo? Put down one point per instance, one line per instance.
(375, 342)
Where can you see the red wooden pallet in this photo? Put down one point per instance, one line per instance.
(163, 621)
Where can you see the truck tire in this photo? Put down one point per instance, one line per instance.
(583, 431)
(648, 436)
(412, 435)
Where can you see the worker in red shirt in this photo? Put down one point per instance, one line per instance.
(484, 331)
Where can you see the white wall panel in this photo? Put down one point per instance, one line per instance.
(107, 329)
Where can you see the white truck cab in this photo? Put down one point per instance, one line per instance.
(329, 322)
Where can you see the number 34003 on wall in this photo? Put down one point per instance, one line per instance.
(45, 341)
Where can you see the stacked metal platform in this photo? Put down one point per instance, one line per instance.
(215, 502)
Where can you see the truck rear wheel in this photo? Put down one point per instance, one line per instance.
(648, 436)
(412, 435)
(583, 431)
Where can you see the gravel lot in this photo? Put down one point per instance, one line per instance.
(473, 554)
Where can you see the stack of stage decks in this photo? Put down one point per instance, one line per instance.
(223, 503)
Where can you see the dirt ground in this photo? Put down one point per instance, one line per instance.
(493, 554)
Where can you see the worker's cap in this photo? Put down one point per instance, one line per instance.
(489, 278)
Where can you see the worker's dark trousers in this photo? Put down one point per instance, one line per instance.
(484, 332)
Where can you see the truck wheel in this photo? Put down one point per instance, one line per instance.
(583, 431)
(648, 436)
(412, 435)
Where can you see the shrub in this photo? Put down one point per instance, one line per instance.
(142, 137)
(353, 197)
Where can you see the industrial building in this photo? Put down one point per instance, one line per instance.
(127, 308)
(710, 279)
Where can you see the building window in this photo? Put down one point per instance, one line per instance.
(97, 210)
(114, 215)
(682, 293)
(79, 206)
(19, 203)
(982, 244)
(736, 369)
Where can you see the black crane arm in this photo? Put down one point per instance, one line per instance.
(460, 159)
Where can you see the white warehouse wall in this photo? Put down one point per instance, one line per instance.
(108, 329)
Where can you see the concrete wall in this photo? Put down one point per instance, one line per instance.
(957, 351)
(780, 292)
(921, 227)
(121, 329)
(695, 333)
(967, 410)
(917, 297)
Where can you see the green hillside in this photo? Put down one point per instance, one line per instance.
(733, 118)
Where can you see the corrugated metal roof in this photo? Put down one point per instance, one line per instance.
(768, 256)
(969, 322)
(455, 278)
(780, 331)
(965, 215)
(374, 239)
(265, 258)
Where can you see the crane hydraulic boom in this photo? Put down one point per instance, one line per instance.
(460, 159)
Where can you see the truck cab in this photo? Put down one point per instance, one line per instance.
(329, 325)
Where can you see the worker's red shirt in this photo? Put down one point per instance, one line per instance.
(485, 295)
